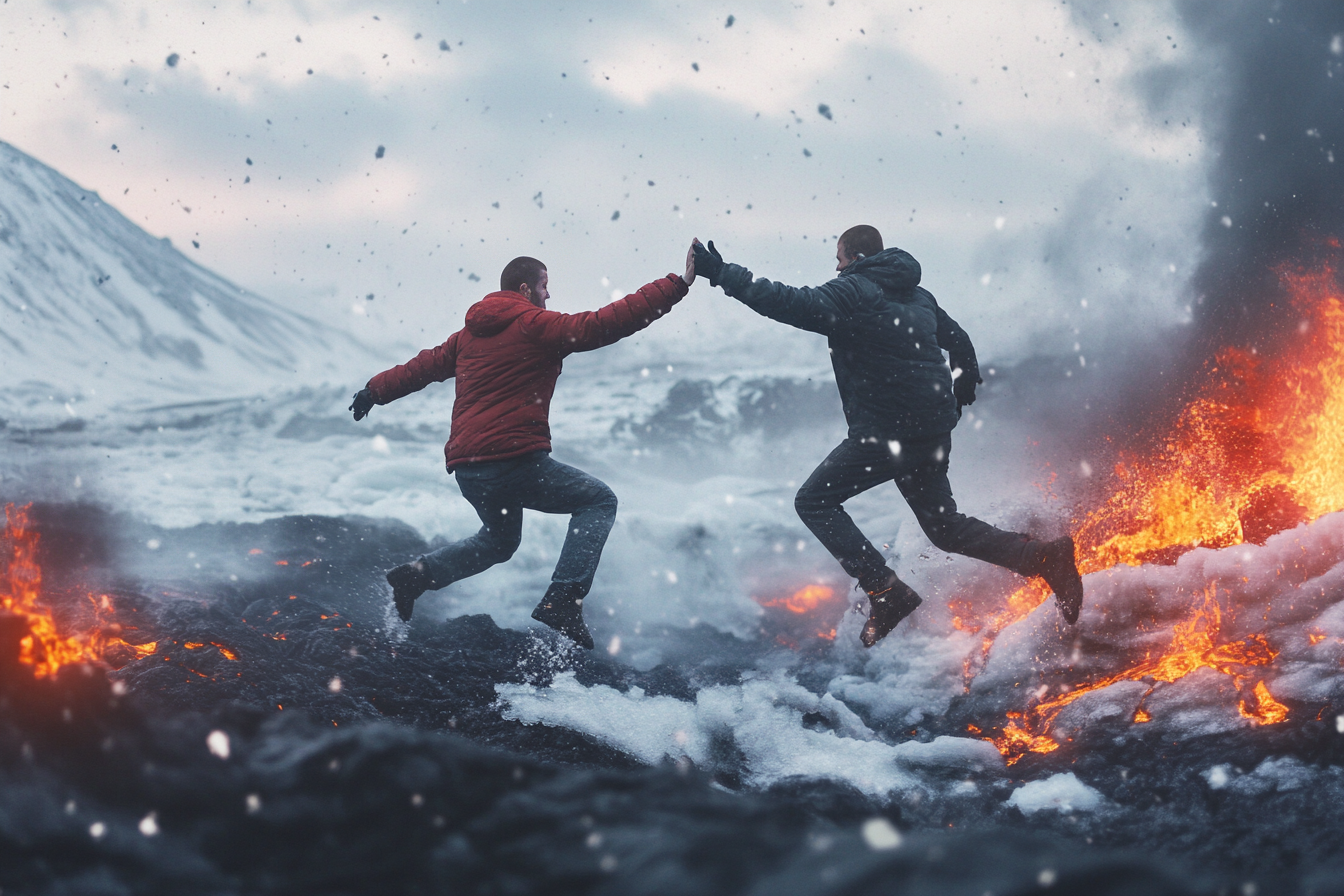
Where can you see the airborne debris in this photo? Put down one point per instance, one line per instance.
(378, 153)
(218, 743)
(824, 111)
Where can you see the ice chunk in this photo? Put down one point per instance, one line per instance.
(1058, 793)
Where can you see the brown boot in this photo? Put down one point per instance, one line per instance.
(1054, 561)
(408, 581)
(889, 601)
(562, 610)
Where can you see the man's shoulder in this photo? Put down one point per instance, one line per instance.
(858, 287)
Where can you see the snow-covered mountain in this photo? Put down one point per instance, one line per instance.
(100, 314)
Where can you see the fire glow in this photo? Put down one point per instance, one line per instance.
(808, 612)
(45, 648)
(1259, 450)
(805, 600)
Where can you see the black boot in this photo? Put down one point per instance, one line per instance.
(562, 610)
(1054, 562)
(408, 581)
(889, 601)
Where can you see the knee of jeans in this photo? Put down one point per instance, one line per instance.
(941, 538)
(607, 501)
(807, 502)
(944, 534)
(502, 545)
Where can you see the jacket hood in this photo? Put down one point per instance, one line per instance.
(496, 311)
(895, 270)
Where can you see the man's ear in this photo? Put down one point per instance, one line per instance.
(525, 290)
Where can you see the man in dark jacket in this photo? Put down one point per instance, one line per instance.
(887, 336)
(506, 361)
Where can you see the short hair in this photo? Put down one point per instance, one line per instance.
(861, 239)
(519, 271)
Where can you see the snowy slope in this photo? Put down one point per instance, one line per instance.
(97, 311)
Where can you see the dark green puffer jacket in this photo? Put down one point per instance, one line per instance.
(887, 337)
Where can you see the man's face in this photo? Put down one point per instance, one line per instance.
(842, 257)
(539, 295)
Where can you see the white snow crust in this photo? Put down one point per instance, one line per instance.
(1062, 793)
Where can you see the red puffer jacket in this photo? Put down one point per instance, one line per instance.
(506, 361)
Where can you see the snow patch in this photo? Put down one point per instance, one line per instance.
(761, 718)
(1062, 793)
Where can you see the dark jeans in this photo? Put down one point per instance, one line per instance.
(919, 469)
(499, 490)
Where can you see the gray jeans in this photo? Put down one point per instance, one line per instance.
(920, 472)
(500, 490)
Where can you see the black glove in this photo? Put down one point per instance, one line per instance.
(963, 388)
(708, 262)
(362, 404)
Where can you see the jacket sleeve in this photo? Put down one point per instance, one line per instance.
(588, 330)
(957, 343)
(818, 309)
(433, 365)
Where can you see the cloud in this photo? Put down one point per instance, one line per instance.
(931, 139)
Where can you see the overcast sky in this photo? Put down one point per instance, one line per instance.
(321, 153)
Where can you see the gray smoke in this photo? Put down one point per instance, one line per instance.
(1278, 125)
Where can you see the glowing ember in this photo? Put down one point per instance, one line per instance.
(45, 648)
(804, 600)
(1014, 742)
(800, 617)
(1258, 450)
(1265, 710)
(1193, 646)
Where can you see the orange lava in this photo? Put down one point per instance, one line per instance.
(1258, 450)
(1194, 645)
(46, 648)
(804, 600)
(1265, 710)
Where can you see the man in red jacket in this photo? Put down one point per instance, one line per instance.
(506, 360)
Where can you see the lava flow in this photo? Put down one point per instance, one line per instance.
(45, 648)
(806, 609)
(1259, 450)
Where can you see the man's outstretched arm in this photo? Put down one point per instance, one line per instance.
(816, 309)
(588, 330)
(433, 365)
